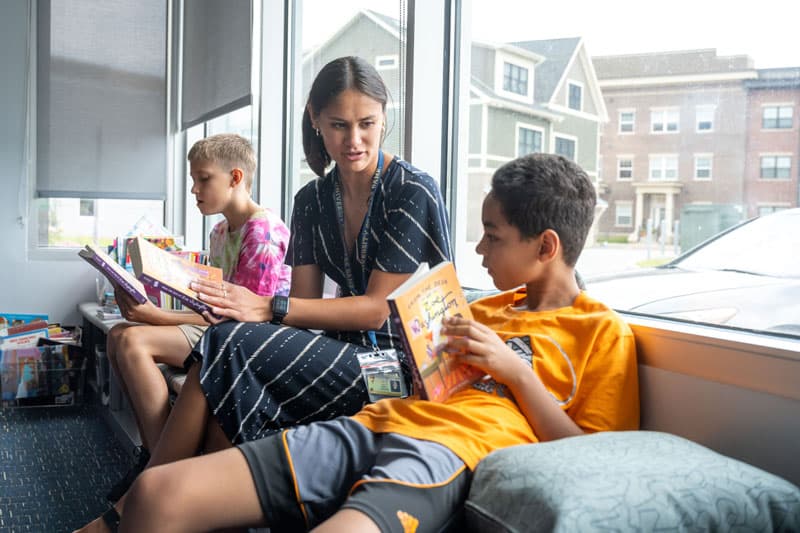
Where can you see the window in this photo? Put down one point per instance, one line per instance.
(565, 147)
(704, 118)
(575, 96)
(702, 166)
(627, 120)
(515, 79)
(529, 140)
(776, 166)
(624, 168)
(664, 121)
(663, 167)
(776, 117)
(100, 133)
(389, 62)
(623, 214)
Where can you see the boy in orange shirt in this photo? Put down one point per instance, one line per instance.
(559, 364)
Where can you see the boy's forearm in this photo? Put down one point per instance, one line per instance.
(175, 318)
(544, 415)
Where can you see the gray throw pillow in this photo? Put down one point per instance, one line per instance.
(626, 481)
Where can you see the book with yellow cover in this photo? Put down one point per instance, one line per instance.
(417, 308)
(171, 274)
(116, 274)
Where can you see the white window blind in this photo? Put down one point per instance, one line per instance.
(217, 50)
(101, 99)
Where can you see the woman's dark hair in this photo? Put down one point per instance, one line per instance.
(337, 76)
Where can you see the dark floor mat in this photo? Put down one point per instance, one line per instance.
(56, 464)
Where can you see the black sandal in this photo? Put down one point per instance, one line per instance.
(111, 518)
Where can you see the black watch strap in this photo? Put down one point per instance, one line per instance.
(280, 308)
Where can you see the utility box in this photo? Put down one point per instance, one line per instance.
(700, 222)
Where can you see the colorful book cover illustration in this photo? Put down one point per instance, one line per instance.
(418, 307)
(115, 273)
(169, 273)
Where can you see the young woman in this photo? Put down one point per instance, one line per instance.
(366, 224)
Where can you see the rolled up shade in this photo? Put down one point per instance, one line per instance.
(217, 51)
(101, 99)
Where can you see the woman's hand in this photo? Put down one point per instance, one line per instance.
(478, 345)
(133, 311)
(230, 301)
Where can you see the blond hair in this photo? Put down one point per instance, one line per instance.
(228, 150)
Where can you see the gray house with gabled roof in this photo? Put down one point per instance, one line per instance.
(531, 96)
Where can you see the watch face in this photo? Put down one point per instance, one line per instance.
(280, 307)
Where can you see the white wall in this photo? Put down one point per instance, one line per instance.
(47, 286)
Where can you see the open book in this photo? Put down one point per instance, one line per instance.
(417, 308)
(116, 274)
(164, 271)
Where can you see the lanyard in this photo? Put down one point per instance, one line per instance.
(362, 240)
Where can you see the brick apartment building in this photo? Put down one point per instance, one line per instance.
(696, 139)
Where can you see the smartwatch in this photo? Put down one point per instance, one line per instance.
(280, 308)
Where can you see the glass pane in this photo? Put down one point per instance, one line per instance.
(373, 30)
(75, 222)
(703, 89)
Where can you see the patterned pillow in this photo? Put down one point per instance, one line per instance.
(626, 481)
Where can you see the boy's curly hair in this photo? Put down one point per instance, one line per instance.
(547, 191)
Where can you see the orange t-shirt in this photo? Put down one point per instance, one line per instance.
(584, 354)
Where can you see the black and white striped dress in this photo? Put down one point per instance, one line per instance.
(259, 377)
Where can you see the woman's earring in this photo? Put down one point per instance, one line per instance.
(317, 131)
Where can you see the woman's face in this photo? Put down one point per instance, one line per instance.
(351, 126)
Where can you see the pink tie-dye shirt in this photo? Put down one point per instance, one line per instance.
(252, 256)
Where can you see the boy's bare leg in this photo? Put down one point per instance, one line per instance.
(216, 440)
(348, 521)
(185, 428)
(209, 492)
(138, 350)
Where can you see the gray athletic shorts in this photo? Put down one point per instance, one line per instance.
(193, 332)
(305, 474)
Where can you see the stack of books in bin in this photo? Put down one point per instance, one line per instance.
(34, 368)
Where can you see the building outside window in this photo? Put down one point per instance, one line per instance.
(705, 118)
(529, 141)
(663, 167)
(702, 166)
(767, 209)
(565, 147)
(623, 214)
(664, 121)
(575, 96)
(776, 166)
(626, 121)
(515, 79)
(776, 117)
(625, 169)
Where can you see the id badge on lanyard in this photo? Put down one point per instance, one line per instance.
(382, 373)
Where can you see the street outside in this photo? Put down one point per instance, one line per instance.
(601, 258)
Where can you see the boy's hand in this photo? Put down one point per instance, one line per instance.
(133, 311)
(230, 301)
(478, 345)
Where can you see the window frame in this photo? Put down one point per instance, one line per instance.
(698, 168)
(665, 114)
(529, 127)
(697, 119)
(627, 204)
(565, 137)
(663, 167)
(777, 157)
(632, 122)
(777, 107)
(620, 159)
(578, 85)
(501, 58)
